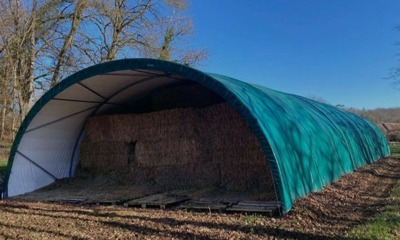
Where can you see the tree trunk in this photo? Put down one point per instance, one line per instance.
(117, 29)
(165, 49)
(76, 19)
(3, 118)
(13, 126)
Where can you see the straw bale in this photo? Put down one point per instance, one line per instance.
(97, 128)
(103, 156)
(167, 152)
(103, 147)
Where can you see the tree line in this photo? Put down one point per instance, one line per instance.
(379, 115)
(43, 41)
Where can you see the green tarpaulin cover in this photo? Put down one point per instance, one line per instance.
(308, 144)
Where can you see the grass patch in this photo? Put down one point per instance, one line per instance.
(395, 149)
(5, 147)
(5, 144)
(3, 166)
(252, 218)
(386, 225)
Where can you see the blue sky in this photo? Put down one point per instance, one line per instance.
(341, 51)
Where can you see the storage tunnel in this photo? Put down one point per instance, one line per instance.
(306, 144)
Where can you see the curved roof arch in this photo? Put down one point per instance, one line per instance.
(308, 144)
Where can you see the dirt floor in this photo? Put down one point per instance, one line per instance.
(328, 214)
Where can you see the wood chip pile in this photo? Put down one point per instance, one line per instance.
(177, 149)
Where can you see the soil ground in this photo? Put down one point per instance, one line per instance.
(328, 214)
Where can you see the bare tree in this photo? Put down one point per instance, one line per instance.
(169, 34)
(20, 49)
(117, 26)
(59, 22)
(5, 37)
(394, 73)
(68, 39)
(42, 41)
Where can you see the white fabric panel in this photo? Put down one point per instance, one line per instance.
(56, 109)
(26, 177)
(51, 147)
(78, 92)
(142, 89)
(106, 85)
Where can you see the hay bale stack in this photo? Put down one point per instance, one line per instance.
(159, 147)
(178, 148)
(235, 151)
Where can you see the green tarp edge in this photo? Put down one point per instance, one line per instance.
(308, 144)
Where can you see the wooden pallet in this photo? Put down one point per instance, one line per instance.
(112, 202)
(260, 203)
(162, 200)
(204, 205)
(71, 200)
(269, 207)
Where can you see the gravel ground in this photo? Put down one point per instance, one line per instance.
(328, 214)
